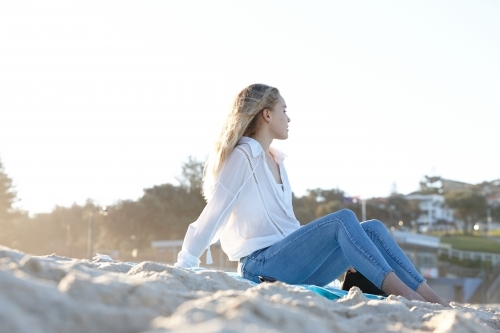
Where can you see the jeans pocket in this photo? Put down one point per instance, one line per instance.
(249, 276)
(251, 265)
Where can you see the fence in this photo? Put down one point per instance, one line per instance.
(494, 258)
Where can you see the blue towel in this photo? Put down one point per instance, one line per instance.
(330, 293)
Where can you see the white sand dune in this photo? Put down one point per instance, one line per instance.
(58, 294)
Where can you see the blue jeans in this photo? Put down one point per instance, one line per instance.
(322, 250)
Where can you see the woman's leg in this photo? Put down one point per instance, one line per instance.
(330, 244)
(398, 261)
(392, 253)
(336, 262)
(309, 251)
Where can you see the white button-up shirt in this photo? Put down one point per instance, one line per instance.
(247, 210)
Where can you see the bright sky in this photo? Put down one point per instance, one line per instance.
(101, 99)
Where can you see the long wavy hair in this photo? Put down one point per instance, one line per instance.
(240, 121)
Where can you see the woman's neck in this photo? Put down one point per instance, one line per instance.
(264, 140)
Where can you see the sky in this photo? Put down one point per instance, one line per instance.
(102, 99)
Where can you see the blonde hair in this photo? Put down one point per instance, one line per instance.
(240, 121)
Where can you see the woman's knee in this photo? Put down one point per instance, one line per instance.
(374, 225)
(345, 215)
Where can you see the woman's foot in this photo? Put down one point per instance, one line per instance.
(393, 285)
(430, 296)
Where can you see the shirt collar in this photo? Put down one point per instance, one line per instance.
(278, 155)
(256, 148)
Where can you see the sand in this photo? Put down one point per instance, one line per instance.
(60, 294)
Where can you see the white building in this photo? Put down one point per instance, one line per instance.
(433, 209)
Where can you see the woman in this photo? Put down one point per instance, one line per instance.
(249, 208)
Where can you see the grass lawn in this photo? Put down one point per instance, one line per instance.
(471, 243)
(495, 233)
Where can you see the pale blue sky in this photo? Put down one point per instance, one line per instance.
(102, 99)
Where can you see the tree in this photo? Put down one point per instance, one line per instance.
(63, 231)
(163, 212)
(469, 207)
(8, 214)
(431, 185)
(495, 213)
(318, 202)
(401, 209)
(192, 174)
(301, 210)
(7, 195)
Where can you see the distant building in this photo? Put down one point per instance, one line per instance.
(433, 210)
(491, 190)
(453, 185)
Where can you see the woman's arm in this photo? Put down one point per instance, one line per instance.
(200, 233)
(212, 220)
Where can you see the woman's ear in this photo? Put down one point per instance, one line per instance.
(266, 115)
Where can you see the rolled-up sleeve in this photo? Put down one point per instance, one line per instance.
(207, 228)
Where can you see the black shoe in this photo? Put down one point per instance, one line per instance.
(359, 280)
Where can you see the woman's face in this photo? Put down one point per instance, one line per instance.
(279, 120)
